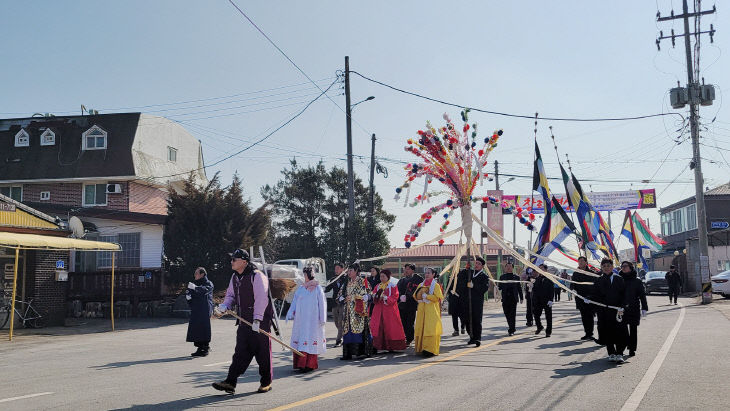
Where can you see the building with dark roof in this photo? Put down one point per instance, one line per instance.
(679, 230)
(110, 170)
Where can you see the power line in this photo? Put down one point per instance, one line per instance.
(531, 117)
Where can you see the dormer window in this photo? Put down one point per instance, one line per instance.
(171, 154)
(48, 138)
(22, 139)
(94, 138)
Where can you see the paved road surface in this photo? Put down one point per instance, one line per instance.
(151, 369)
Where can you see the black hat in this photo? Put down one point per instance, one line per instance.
(242, 254)
(672, 266)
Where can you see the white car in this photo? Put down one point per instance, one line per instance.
(721, 284)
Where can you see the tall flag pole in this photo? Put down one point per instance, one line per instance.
(532, 196)
(555, 146)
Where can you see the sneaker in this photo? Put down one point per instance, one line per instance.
(632, 353)
(463, 331)
(586, 337)
(612, 358)
(538, 330)
(264, 388)
(547, 335)
(338, 343)
(199, 353)
(619, 359)
(225, 386)
(455, 333)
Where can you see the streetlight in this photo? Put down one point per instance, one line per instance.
(362, 101)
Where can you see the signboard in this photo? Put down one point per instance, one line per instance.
(148, 275)
(7, 207)
(719, 224)
(9, 271)
(495, 220)
(602, 201)
(60, 265)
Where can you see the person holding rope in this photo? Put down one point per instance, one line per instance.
(407, 305)
(511, 293)
(248, 291)
(542, 299)
(529, 279)
(610, 289)
(335, 286)
(473, 302)
(636, 306)
(586, 310)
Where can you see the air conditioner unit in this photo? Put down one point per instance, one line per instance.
(113, 188)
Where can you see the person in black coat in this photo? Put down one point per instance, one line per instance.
(610, 289)
(407, 306)
(584, 290)
(528, 276)
(472, 301)
(674, 281)
(200, 299)
(455, 302)
(636, 306)
(511, 294)
(335, 286)
(542, 299)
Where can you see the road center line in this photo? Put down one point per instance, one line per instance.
(217, 363)
(22, 397)
(640, 391)
(403, 372)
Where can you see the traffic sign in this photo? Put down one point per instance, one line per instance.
(719, 224)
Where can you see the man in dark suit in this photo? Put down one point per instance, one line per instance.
(511, 294)
(585, 291)
(477, 286)
(674, 281)
(407, 305)
(542, 299)
(610, 289)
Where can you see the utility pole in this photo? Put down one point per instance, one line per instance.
(694, 94)
(371, 208)
(350, 226)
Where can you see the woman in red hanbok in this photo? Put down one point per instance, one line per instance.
(385, 323)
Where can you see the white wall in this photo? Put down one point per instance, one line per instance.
(150, 238)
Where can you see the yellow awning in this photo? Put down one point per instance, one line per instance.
(44, 242)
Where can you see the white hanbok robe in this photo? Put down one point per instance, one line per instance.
(309, 312)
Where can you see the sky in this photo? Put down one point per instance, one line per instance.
(204, 65)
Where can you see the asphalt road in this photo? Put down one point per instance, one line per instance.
(681, 363)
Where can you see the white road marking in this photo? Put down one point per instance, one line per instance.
(217, 363)
(640, 391)
(22, 397)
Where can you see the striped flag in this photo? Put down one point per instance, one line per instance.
(560, 228)
(540, 181)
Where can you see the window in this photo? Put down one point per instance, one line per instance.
(48, 138)
(677, 221)
(45, 195)
(94, 138)
(104, 259)
(171, 154)
(128, 257)
(691, 217)
(22, 139)
(14, 192)
(94, 195)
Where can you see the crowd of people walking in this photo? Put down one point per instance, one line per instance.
(375, 313)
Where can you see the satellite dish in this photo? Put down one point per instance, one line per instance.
(77, 227)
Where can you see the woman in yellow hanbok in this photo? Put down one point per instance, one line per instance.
(428, 317)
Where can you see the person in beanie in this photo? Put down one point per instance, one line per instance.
(309, 311)
(200, 299)
(636, 306)
(335, 286)
(248, 292)
(511, 294)
(674, 281)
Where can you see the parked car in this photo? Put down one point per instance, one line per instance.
(721, 284)
(655, 282)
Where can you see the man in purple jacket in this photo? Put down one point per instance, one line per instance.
(248, 291)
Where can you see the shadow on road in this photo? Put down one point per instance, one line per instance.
(596, 366)
(207, 401)
(123, 364)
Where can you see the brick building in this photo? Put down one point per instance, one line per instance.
(113, 171)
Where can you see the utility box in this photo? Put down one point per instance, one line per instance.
(707, 94)
(61, 275)
(678, 97)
